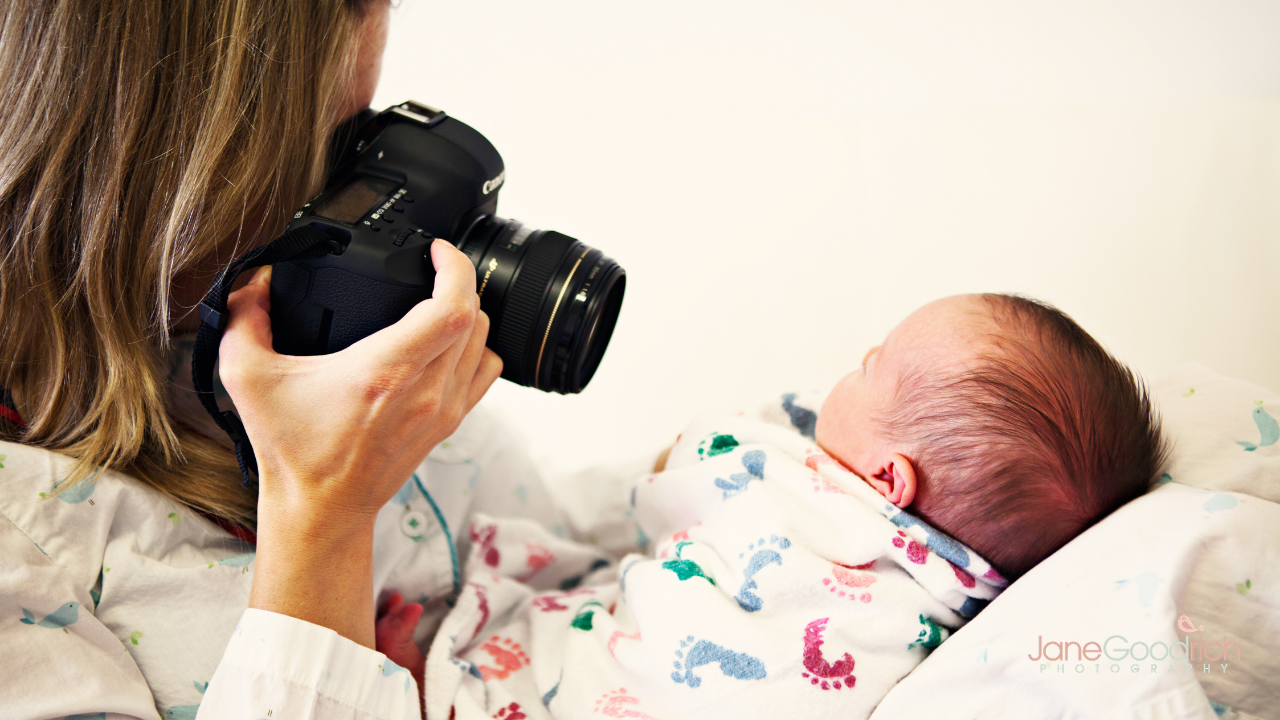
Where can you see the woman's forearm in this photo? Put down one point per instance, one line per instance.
(316, 571)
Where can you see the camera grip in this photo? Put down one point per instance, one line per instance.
(315, 311)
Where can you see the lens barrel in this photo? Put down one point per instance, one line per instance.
(552, 301)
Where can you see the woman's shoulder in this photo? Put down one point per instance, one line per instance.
(72, 525)
(152, 588)
(30, 476)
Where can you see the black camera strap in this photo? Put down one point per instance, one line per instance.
(297, 244)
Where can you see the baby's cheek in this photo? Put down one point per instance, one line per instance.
(821, 429)
(831, 428)
(840, 431)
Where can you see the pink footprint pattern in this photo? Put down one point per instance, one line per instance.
(483, 601)
(484, 537)
(916, 552)
(539, 558)
(965, 578)
(507, 655)
(510, 712)
(618, 635)
(548, 603)
(814, 459)
(618, 704)
(551, 603)
(848, 577)
(826, 675)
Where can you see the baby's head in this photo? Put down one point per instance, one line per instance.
(998, 420)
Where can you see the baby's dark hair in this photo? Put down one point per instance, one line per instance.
(1043, 437)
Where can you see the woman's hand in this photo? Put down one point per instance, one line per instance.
(342, 432)
(337, 435)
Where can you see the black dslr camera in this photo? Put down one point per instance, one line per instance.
(404, 177)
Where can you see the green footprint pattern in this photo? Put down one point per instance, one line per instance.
(685, 569)
(586, 615)
(931, 634)
(716, 444)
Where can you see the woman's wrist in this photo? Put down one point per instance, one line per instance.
(316, 567)
(320, 509)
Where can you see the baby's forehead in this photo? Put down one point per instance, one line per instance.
(945, 332)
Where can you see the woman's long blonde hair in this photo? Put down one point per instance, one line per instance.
(139, 140)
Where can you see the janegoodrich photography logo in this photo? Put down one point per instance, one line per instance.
(1196, 652)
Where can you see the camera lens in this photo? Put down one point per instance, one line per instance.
(552, 301)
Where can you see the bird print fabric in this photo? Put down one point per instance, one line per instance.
(116, 603)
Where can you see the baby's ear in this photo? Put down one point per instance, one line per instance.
(896, 480)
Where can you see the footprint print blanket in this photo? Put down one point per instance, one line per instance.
(777, 584)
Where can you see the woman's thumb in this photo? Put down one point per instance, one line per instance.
(248, 335)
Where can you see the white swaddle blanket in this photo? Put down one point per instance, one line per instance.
(781, 585)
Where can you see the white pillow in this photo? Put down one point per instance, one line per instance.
(1201, 551)
(1213, 420)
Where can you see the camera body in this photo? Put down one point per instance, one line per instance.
(404, 177)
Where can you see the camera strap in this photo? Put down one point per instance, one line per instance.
(297, 244)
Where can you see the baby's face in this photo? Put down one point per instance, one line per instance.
(944, 335)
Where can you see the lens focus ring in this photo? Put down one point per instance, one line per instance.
(523, 303)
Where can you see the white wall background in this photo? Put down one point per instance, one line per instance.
(784, 181)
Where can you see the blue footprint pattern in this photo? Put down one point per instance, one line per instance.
(944, 546)
(1268, 428)
(551, 694)
(694, 654)
(763, 557)
(802, 419)
(754, 463)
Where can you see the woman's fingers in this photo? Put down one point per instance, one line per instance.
(246, 343)
(445, 383)
(469, 358)
(489, 370)
(432, 326)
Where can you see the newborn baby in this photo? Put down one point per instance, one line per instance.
(999, 420)
(785, 556)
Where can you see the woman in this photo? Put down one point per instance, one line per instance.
(145, 144)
